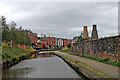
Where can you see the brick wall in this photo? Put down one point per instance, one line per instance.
(40, 46)
(65, 42)
(22, 46)
(44, 42)
(102, 48)
(33, 37)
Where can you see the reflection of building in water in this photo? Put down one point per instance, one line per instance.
(45, 55)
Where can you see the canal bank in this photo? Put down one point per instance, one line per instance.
(8, 62)
(14, 61)
(82, 68)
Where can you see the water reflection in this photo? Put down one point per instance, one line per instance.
(44, 55)
(46, 65)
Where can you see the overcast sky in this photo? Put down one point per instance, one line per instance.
(63, 19)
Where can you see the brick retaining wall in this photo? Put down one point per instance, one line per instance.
(102, 48)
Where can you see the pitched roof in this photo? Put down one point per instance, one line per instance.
(51, 37)
(58, 38)
(43, 39)
(69, 39)
(76, 37)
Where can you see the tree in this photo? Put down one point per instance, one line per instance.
(10, 32)
(80, 38)
(3, 21)
(13, 32)
(69, 45)
(27, 38)
(5, 30)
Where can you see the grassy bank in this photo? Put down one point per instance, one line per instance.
(103, 60)
(10, 53)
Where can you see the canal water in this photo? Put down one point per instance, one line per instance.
(45, 65)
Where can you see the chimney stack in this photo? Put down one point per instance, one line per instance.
(49, 35)
(41, 35)
(44, 35)
(85, 32)
(94, 33)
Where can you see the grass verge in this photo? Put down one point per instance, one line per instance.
(105, 60)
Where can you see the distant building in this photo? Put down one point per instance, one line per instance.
(33, 37)
(40, 46)
(59, 42)
(65, 42)
(45, 41)
(48, 42)
(75, 39)
(69, 41)
(52, 42)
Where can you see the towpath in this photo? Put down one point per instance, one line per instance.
(107, 69)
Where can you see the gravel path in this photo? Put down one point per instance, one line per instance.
(107, 69)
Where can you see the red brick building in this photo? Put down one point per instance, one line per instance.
(40, 46)
(45, 41)
(65, 42)
(48, 42)
(33, 37)
(52, 41)
(69, 41)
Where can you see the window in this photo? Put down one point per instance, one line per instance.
(47, 42)
(52, 42)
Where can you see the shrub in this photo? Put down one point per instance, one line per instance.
(30, 49)
(8, 53)
(4, 44)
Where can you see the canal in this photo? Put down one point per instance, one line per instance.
(45, 65)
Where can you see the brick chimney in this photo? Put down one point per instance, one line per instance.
(44, 35)
(94, 32)
(85, 32)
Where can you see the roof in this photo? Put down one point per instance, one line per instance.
(69, 39)
(51, 37)
(43, 39)
(75, 38)
(58, 38)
